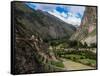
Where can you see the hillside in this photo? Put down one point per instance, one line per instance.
(41, 23)
(87, 31)
(33, 29)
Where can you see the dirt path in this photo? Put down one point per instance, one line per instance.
(71, 65)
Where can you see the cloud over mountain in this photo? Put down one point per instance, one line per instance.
(67, 13)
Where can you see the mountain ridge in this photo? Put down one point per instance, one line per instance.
(48, 25)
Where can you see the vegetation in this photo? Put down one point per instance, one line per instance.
(84, 57)
(33, 54)
(57, 63)
(89, 62)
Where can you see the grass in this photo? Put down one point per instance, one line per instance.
(71, 56)
(80, 59)
(85, 57)
(57, 63)
(89, 62)
(86, 54)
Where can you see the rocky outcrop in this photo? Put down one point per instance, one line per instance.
(32, 56)
(87, 31)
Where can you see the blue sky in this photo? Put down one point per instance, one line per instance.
(68, 13)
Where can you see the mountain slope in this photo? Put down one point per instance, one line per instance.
(32, 28)
(87, 31)
(42, 23)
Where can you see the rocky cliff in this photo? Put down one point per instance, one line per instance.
(87, 31)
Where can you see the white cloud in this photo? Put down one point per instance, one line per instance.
(45, 7)
(57, 14)
(63, 14)
(67, 17)
(73, 20)
(77, 9)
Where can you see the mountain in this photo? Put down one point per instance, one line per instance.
(32, 27)
(41, 37)
(87, 30)
(41, 23)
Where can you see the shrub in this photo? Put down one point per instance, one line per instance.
(74, 58)
(57, 63)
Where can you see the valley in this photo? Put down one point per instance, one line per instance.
(45, 43)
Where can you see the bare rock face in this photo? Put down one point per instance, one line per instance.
(87, 31)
